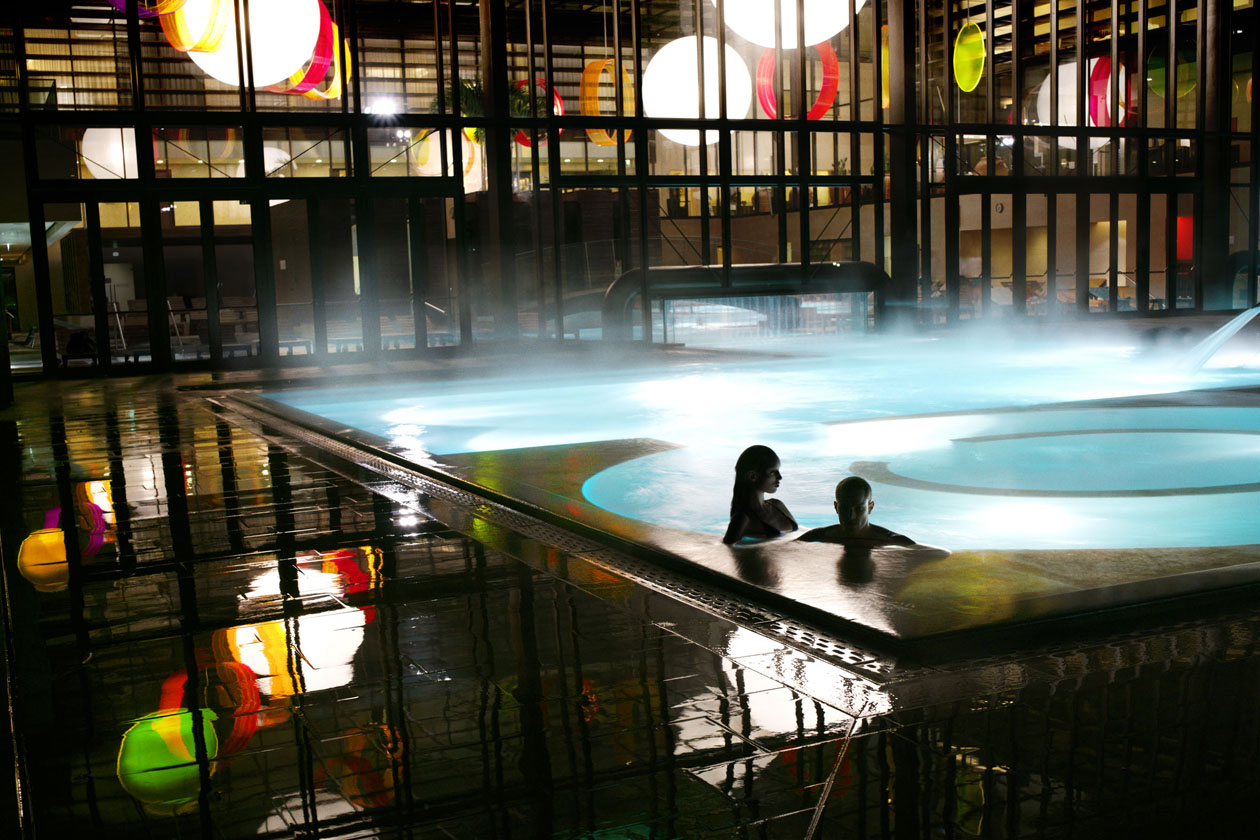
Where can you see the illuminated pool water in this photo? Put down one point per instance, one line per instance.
(994, 464)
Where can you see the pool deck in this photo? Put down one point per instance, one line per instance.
(916, 600)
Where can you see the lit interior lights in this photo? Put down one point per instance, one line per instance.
(382, 107)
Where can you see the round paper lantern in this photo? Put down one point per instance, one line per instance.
(968, 57)
(41, 559)
(754, 21)
(1098, 107)
(426, 159)
(671, 87)
(1156, 69)
(109, 153)
(282, 37)
(157, 761)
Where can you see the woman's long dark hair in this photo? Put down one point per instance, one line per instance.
(758, 459)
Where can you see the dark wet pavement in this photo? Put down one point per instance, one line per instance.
(228, 639)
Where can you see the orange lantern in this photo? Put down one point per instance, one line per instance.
(588, 98)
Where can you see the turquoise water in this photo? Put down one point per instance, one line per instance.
(1084, 477)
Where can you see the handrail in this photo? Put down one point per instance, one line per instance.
(744, 280)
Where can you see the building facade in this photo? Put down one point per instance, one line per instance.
(345, 179)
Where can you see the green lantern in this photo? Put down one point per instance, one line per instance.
(1187, 75)
(157, 761)
(968, 57)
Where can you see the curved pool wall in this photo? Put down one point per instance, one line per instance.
(1063, 479)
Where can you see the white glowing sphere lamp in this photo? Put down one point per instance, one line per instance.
(426, 159)
(754, 21)
(671, 87)
(1097, 99)
(282, 36)
(109, 153)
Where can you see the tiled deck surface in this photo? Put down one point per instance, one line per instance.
(333, 651)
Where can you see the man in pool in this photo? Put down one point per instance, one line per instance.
(853, 507)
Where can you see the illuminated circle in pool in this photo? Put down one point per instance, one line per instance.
(1035, 479)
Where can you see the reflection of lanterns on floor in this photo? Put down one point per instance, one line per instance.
(364, 771)
(808, 772)
(42, 560)
(312, 651)
(301, 810)
(318, 656)
(157, 761)
(585, 702)
(42, 556)
(230, 687)
(592, 578)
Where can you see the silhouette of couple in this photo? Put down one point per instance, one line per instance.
(754, 516)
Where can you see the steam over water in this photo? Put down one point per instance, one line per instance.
(977, 476)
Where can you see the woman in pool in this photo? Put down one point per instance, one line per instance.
(752, 515)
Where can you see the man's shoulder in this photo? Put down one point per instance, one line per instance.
(830, 533)
(882, 534)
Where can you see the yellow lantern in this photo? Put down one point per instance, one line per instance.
(968, 57)
(42, 560)
(588, 97)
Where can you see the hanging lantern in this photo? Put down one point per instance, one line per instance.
(1098, 104)
(1157, 68)
(826, 93)
(109, 153)
(41, 559)
(883, 65)
(557, 108)
(671, 87)
(968, 57)
(157, 760)
(588, 98)
(304, 80)
(426, 159)
(282, 34)
(753, 20)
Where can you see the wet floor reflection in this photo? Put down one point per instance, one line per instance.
(214, 637)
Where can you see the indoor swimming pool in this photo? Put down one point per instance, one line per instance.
(1060, 477)
(968, 445)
